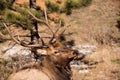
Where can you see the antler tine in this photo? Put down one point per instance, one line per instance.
(64, 29)
(3, 37)
(10, 33)
(54, 35)
(42, 21)
(57, 37)
(46, 23)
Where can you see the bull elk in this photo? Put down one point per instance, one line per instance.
(55, 65)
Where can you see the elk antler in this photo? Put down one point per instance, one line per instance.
(46, 23)
(54, 37)
(11, 34)
(3, 37)
(22, 43)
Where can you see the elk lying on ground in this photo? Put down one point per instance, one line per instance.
(52, 67)
(55, 65)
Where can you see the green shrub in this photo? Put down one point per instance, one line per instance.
(36, 13)
(3, 4)
(53, 7)
(19, 17)
(25, 17)
(11, 16)
(69, 4)
(76, 3)
(6, 4)
(84, 3)
(21, 11)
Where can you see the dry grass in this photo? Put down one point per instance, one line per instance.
(95, 24)
(107, 68)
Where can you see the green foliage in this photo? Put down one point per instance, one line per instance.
(24, 20)
(3, 4)
(53, 7)
(11, 16)
(76, 3)
(21, 17)
(21, 11)
(36, 13)
(69, 4)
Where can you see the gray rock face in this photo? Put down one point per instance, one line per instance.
(14, 51)
(84, 49)
(81, 67)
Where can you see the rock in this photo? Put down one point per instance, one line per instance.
(14, 51)
(84, 49)
(83, 71)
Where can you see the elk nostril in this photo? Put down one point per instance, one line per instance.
(55, 52)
